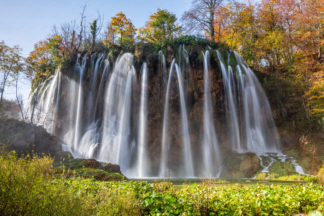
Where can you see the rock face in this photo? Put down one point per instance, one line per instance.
(89, 168)
(26, 138)
(111, 168)
(193, 83)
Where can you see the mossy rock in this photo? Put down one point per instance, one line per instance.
(111, 168)
(241, 165)
(99, 175)
(89, 168)
(71, 163)
(280, 168)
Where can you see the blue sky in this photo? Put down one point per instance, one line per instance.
(25, 22)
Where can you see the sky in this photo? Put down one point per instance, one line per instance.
(25, 22)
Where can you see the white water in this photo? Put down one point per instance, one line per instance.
(164, 172)
(45, 111)
(275, 157)
(117, 114)
(78, 119)
(231, 100)
(253, 128)
(187, 154)
(143, 164)
(188, 169)
(211, 154)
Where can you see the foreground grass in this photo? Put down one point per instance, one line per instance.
(33, 187)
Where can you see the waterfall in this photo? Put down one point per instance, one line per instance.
(117, 113)
(89, 140)
(187, 154)
(253, 128)
(165, 124)
(45, 110)
(231, 100)
(210, 150)
(142, 160)
(165, 138)
(78, 120)
(91, 107)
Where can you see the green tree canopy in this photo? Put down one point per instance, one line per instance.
(162, 25)
(11, 63)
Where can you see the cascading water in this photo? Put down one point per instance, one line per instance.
(187, 155)
(78, 120)
(45, 110)
(165, 139)
(248, 111)
(165, 130)
(117, 114)
(211, 154)
(231, 100)
(143, 165)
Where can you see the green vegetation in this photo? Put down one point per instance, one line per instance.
(162, 26)
(33, 186)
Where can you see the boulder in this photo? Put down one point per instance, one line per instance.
(111, 168)
(26, 138)
(241, 165)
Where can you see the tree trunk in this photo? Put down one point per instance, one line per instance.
(211, 25)
(5, 77)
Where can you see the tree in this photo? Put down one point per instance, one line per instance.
(11, 63)
(235, 25)
(122, 29)
(201, 17)
(309, 46)
(162, 25)
(44, 59)
(94, 31)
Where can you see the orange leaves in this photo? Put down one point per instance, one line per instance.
(286, 34)
(122, 29)
(45, 57)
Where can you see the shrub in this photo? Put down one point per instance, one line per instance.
(320, 174)
(29, 186)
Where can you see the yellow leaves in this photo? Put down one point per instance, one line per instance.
(315, 94)
(287, 34)
(122, 28)
(10, 60)
(161, 26)
(45, 57)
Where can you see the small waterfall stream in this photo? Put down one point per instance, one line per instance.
(142, 160)
(187, 154)
(165, 138)
(211, 154)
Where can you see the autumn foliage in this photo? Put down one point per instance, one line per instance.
(121, 30)
(280, 37)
